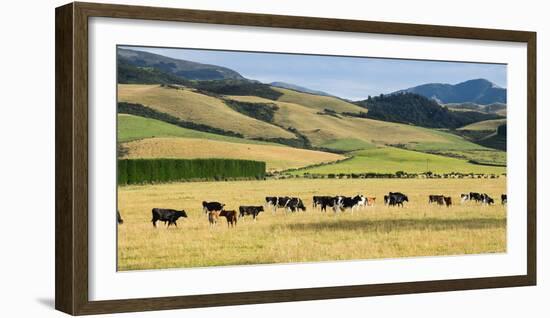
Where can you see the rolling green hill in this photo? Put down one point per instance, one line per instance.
(132, 127)
(340, 133)
(391, 160)
(189, 105)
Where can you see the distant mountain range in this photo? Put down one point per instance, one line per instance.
(299, 88)
(175, 67)
(478, 91)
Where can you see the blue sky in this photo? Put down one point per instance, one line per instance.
(348, 77)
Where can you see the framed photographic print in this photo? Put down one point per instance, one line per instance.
(211, 158)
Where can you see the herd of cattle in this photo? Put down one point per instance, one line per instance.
(215, 210)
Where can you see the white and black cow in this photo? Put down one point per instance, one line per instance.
(295, 204)
(464, 197)
(345, 203)
(277, 202)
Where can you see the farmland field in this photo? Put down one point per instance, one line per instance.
(131, 127)
(390, 160)
(277, 157)
(485, 125)
(418, 229)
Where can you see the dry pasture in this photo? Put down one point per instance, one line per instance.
(418, 229)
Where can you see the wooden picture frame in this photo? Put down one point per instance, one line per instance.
(71, 122)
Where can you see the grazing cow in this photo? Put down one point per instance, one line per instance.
(397, 199)
(271, 201)
(448, 201)
(230, 216)
(119, 219)
(370, 201)
(485, 199)
(316, 201)
(435, 198)
(362, 201)
(319, 200)
(503, 199)
(386, 199)
(348, 203)
(212, 206)
(474, 196)
(328, 201)
(167, 215)
(250, 210)
(277, 202)
(295, 204)
(213, 217)
(464, 197)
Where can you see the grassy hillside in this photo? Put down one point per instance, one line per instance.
(339, 133)
(353, 133)
(485, 125)
(276, 157)
(192, 106)
(390, 160)
(347, 144)
(317, 102)
(132, 127)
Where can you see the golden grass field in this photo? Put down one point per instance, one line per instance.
(418, 229)
(485, 125)
(191, 106)
(276, 157)
(317, 102)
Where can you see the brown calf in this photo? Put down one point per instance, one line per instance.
(230, 216)
(213, 217)
(370, 201)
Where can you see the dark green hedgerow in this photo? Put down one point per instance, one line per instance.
(139, 171)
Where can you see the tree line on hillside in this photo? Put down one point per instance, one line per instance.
(261, 111)
(409, 108)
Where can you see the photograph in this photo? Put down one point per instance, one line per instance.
(239, 158)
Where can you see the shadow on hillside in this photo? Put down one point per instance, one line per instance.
(427, 224)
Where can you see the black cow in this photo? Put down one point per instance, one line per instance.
(212, 206)
(397, 199)
(295, 204)
(503, 199)
(485, 199)
(250, 210)
(167, 215)
(325, 201)
(386, 199)
(119, 219)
